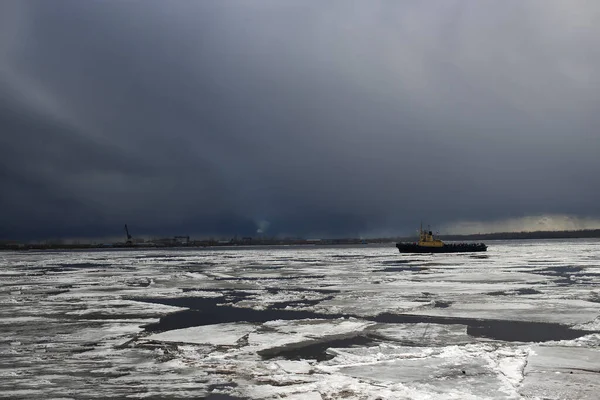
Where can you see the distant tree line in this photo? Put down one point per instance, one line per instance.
(579, 234)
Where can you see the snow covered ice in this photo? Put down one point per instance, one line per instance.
(353, 322)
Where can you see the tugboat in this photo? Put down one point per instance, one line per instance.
(429, 244)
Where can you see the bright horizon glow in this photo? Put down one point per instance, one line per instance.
(560, 222)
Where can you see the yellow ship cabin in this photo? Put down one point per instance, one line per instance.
(426, 239)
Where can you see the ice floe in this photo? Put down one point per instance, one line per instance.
(359, 322)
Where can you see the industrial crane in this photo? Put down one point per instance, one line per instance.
(128, 235)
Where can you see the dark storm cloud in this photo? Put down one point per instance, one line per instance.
(328, 119)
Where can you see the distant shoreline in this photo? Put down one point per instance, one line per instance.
(579, 234)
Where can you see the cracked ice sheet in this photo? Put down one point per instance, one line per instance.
(468, 371)
(273, 334)
(277, 334)
(175, 371)
(567, 312)
(562, 372)
(260, 300)
(385, 370)
(216, 335)
(404, 296)
(120, 308)
(368, 304)
(424, 333)
(389, 371)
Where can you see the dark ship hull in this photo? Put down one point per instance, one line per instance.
(446, 248)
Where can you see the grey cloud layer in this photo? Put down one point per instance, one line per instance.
(344, 118)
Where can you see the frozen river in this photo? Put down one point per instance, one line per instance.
(364, 322)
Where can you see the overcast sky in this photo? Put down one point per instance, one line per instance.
(307, 118)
